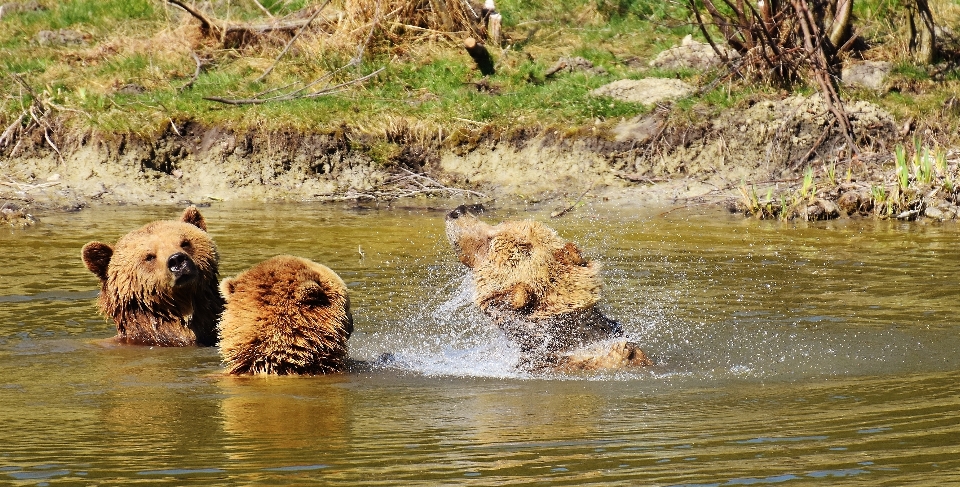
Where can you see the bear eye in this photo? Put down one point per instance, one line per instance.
(150, 257)
(185, 244)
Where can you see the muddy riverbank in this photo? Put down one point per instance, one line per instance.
(764, 147)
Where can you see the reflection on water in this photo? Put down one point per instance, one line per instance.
(788, 353)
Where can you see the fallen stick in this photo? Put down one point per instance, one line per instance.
(288, 97)
(558, 214)
(196, 72)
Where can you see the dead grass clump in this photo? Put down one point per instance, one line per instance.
(352, 23)
(402, 21)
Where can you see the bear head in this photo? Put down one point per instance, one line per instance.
(539, 289)
(523, 266)
(159, 282)
(285, 315)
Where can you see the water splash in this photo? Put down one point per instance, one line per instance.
(449, 337)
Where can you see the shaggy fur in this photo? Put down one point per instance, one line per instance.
(286, 315)
(159, 283)
(540, 291)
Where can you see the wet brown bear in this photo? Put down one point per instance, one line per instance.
(541, 292)
(285, 315)
(159, 283)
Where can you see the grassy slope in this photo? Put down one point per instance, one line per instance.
(427, 82)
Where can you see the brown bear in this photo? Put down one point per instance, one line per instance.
(286, 315)
(159, 283)
(542, 292)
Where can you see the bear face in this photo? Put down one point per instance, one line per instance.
(537, 287)
(286, 315)
(159, 282)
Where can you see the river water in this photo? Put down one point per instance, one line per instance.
(788, 353)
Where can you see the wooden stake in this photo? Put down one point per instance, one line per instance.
(493, 29)
(480, 55)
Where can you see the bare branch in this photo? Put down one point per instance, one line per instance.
(264, 9)
(400, 186)
(207, 27)
(196, 73)
(294, 95)
(559, 213)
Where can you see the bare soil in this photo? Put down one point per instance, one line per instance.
(656, 159)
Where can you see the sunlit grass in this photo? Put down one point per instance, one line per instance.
(150, 44)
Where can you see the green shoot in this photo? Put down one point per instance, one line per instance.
(903, 173)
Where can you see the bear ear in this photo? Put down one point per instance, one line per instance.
(192, 216)
(570, 255)
(96, 256)
(227, 286)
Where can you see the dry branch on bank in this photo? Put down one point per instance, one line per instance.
(35, 113)
(782, 42)
(234, 35)
(296, 94)
(405, 185)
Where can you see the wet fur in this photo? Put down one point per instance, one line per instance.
(284, 316)
(541, 291)
(141, 294)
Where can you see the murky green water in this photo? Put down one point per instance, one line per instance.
(818, 354)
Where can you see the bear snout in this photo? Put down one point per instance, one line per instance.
(465, 210)
(182, 267)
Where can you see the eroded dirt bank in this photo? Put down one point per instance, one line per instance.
(657, 158)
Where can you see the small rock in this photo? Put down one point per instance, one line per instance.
(131, 89)
(867, 74)
(822, 209)
(11, 8)
(648, 91)
(53, 177)
(691, 55)
(849, 202)
(950, 212)
(573, 64)
(853, 202)
(933, 213)
(60, 37)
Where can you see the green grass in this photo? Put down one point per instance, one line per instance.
(431, 81)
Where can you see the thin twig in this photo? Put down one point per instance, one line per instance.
(441, 186)
(46, 135)
(815, 146)
(196, 72)
(363, 47)
(291, 41)
(263, 8)
(36, 99)
(206, 26)
(7, 136)
(558, 214)
(288, 97)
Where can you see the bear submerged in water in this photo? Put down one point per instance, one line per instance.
(159, 282)
(285, 316)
